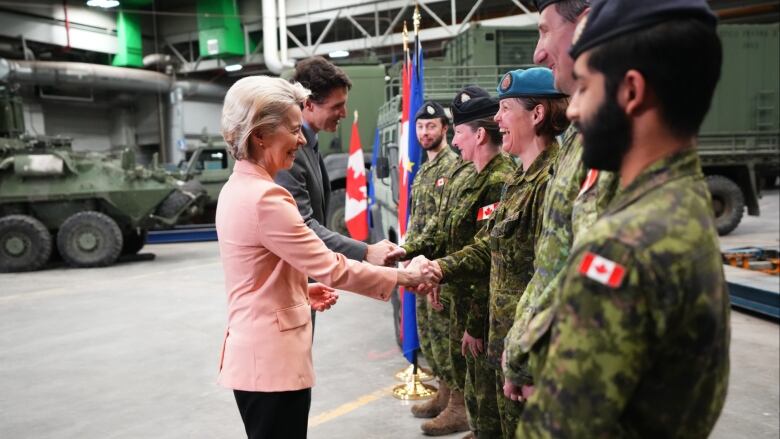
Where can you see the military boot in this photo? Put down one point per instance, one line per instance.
(433, 406)
(451, 420)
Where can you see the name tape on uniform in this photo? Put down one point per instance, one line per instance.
(486, 212)
(602, 270)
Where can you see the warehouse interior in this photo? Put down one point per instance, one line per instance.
(185, 53)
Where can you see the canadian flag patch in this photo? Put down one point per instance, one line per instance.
(440, 182)
(486, 212)
(602, 270)
(590, 180)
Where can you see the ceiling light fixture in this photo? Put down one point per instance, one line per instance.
(339, 54)
(233, 67)
(105, 4)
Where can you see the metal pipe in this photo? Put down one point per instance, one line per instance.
(102, 77)
(270, 40)
(283, 30)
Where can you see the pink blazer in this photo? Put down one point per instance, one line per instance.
(267, 254)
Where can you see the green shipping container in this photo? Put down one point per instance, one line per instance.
(747, 98)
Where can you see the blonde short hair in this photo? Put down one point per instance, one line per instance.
(256, 103)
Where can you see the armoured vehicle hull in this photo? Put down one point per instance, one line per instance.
(88, 208)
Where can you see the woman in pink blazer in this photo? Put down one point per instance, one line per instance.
(267, 254)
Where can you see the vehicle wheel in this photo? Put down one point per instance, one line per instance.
(395, 299)
(336, 212)
(728, 204)
(179, 198)
(133, 242)
(25, 243)
(89, 239)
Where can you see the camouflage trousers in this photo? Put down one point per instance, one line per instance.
(479, 394)
(435, 329)
(509, 411)
(474, 376)
(459, 307)
(421, 304)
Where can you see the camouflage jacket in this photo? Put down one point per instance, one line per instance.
(637, 342)
(458, 222)
(504, 247)
(427, 189)
(575, 198)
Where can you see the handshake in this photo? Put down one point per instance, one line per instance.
(384, 253)
(420, 276)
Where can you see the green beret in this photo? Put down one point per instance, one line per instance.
(430, 110)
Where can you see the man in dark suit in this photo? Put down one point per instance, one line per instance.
(307, 181)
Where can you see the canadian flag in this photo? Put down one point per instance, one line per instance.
(356, 205)
(590, 180)
(602, 270)
(486, 212)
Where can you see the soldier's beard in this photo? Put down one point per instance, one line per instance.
(606, 137)
(435, 144)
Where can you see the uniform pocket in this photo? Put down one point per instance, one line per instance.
(538, 328)
(293, 317)
(504, 229)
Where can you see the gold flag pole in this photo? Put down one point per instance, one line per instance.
(413, 376)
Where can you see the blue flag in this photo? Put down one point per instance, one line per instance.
(411, 342)
(371, 191)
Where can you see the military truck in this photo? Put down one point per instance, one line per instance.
(738, 142)
(210, 165)
(88, 208)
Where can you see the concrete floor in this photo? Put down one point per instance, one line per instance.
(130, 351)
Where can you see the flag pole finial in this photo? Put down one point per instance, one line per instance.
(356, 116)
(416, 18)
(405, 38)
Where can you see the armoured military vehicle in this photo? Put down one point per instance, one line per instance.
(87, 207)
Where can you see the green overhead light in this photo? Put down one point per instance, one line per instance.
(105, 4)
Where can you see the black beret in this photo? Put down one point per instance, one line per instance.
(430, 110)
(472, 103)
(609, 19)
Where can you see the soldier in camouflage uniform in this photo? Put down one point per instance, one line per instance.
(532, 113)
(575, 196)
(432, 124)
(476, 181)
(637, 341)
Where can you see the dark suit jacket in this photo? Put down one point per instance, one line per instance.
(308, 183)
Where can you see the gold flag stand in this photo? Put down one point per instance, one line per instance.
(405, 375)
(414, 390)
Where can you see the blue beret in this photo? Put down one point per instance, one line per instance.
(609, 19)
(430, 110)
(536, 82)
(472, 103)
